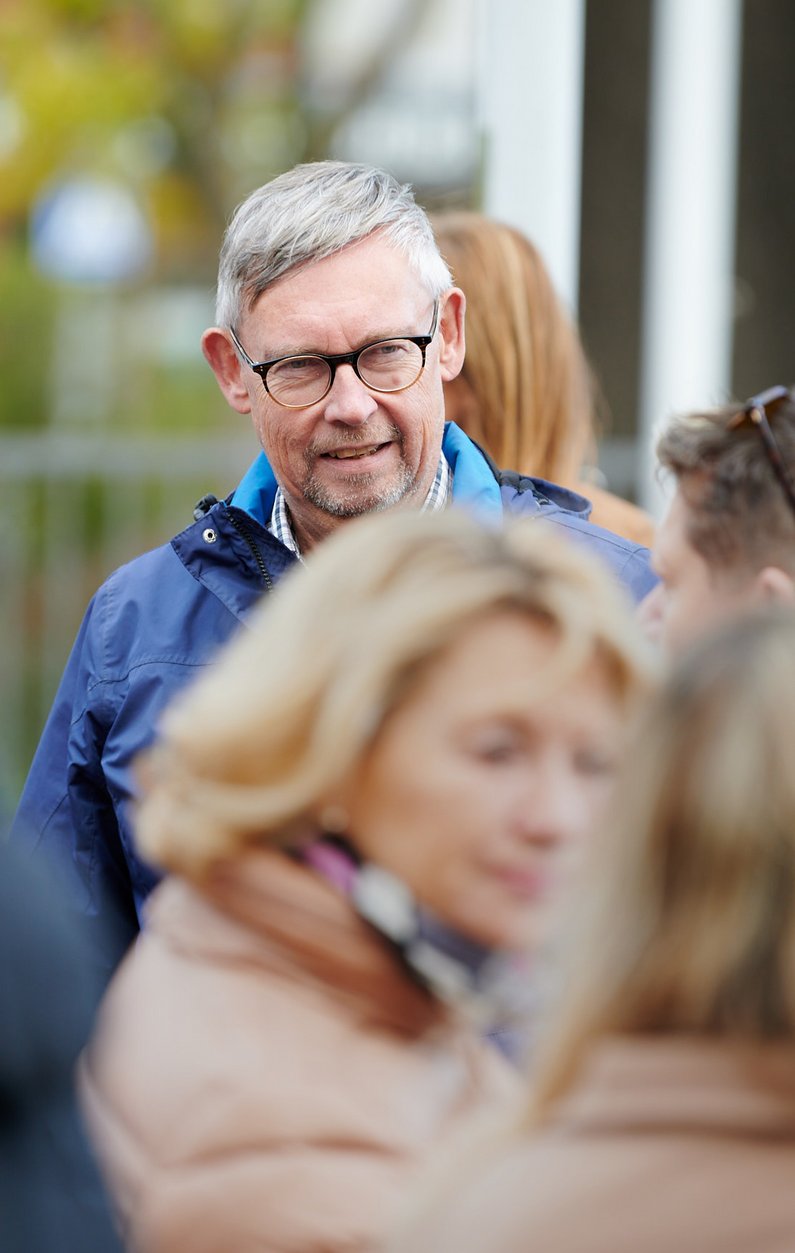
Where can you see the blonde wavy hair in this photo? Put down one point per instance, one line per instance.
(294, 701)
(688, 921)
(525, 366)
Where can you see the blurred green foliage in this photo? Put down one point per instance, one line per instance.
(27, 306)
(185, 103)
(143, 89)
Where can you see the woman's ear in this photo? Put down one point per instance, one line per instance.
(451, 329)
(226, 366)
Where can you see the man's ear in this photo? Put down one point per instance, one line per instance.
(226, 366)
(451, 326)
(774, 584)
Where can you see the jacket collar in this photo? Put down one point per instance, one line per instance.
(217, 554)
(263, 909)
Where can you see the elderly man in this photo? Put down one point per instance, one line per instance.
(338, 324)
(727, 542)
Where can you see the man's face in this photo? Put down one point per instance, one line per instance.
(692, 596)
(356, 450)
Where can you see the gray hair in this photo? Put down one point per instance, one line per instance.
(309, 213)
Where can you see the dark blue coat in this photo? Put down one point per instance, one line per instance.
(154, 623)
(51, 1198)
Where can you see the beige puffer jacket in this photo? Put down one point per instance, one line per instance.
(265, 1076)
(667, 1144)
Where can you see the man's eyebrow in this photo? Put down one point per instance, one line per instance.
(318, 352)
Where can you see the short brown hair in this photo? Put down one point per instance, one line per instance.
(738, 513)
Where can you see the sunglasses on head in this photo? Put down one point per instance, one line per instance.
(758, 410)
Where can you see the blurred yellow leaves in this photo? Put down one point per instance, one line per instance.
(146, 92)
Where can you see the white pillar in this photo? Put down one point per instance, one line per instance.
(690, 216)
(530, 92)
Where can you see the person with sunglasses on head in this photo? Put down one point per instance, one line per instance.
(727, 542)
(337, 326)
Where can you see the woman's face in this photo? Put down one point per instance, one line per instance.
(479, 791)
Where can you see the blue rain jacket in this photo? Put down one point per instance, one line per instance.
(155, 623)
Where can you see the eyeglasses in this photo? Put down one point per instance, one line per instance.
(388, 365)
(758, 410)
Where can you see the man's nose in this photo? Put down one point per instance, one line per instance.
(349, 401)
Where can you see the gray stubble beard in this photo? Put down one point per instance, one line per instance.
(339, 507)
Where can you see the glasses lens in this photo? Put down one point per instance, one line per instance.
(391, 365)
(298, 380)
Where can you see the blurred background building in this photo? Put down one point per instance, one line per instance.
(643, 144)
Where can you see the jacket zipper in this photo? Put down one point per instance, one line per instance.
(245, 534)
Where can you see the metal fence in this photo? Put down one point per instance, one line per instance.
(75, 506)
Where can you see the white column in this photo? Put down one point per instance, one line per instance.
(690, 216)
(530, 89)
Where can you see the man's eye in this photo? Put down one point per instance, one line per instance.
(393, 348)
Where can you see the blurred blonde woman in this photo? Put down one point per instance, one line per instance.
(367, 807)
(663, 1115)
(526, 392)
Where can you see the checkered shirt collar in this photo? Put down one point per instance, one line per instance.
(438, 497)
